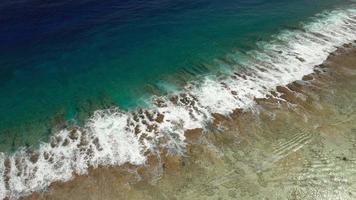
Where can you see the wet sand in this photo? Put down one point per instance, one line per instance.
(300, 143)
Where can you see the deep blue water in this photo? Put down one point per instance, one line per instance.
(61, 60)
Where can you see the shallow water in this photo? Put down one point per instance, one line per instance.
(278, 150)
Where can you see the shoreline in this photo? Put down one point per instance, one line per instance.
(113, 137)
(158, 166)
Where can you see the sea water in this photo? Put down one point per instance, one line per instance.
(63, 60)
(78, 72)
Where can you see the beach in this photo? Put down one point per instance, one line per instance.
(299, 143)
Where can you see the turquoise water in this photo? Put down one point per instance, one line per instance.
(61, 61)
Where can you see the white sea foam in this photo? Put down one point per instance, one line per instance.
(113, 137)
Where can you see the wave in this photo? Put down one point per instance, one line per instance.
(114, 137)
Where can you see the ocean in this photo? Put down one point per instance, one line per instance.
(91, 83)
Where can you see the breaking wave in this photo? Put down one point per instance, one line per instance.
(114, 137)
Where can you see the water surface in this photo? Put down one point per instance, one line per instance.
(62, 60)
